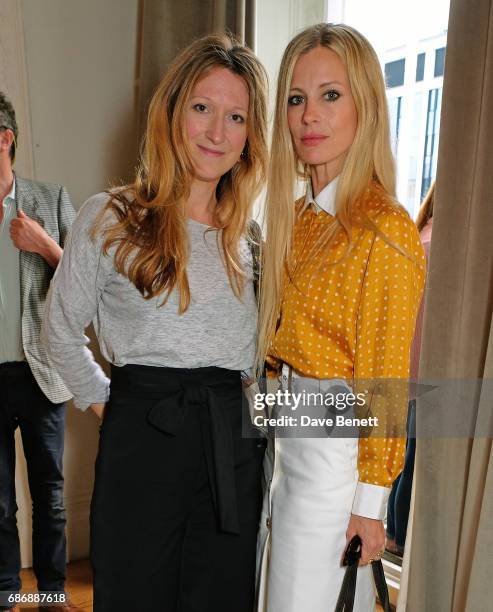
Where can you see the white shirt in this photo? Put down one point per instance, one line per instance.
(325, 200)
(10, 286)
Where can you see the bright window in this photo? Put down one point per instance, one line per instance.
(410, 38)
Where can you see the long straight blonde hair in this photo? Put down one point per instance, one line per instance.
(369, 160)
(150, 232)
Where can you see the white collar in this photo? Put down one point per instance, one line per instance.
(326, 199)
(11, 193)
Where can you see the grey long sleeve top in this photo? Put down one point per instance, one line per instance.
(218, 329)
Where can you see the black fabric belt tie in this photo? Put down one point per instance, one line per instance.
(169, 415)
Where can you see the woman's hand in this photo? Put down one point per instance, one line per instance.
(98, 410)
(372, 534)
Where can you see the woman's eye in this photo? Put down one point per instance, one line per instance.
(237, 118)
(332, 95)
(295, 100)
(200, 108)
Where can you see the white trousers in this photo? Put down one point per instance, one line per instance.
(310, 485)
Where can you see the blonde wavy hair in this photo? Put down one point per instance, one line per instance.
(150, 235)
(369, 161)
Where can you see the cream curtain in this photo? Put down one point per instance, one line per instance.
(237, 16)
(167, 26)
(452, 537)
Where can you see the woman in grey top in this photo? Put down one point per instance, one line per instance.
(163, 269)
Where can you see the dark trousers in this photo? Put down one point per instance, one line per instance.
(400, 495)
(42, 426)
(177, 495)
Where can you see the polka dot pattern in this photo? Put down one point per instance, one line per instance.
(353, 317)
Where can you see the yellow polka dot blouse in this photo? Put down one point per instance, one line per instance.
(353, 317)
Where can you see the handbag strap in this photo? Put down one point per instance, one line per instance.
(345, 602)
(381, 585)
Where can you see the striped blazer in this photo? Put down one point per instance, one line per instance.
(50, 206)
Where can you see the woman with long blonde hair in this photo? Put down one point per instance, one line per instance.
(164, 268)
(341, 285)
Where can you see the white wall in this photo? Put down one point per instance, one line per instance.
(81, 64)
(69, 68)
(276, 24)
(13, 79)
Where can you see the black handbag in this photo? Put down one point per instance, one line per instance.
(352, 555)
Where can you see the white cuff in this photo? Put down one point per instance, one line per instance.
(370, 501)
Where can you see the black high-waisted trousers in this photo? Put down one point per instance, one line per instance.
(177, 494)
